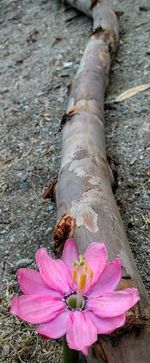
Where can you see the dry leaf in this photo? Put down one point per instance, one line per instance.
(132, 91)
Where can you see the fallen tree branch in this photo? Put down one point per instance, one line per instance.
(84, 187)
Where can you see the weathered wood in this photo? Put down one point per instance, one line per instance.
(84, 190)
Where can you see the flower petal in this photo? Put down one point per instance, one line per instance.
(81, 332)
(106, 325)
(31, 283)
(36, 310)
(108, 280)
(70, 253)
(55, 328)
(53, 272)
(113, 303)
(96, 256)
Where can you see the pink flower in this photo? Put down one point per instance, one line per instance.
(74, 296)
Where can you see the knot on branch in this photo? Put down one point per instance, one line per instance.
(64, 229)
(108, 37)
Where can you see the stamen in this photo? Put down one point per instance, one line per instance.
(82, 282)
(81, 260)
(74, 275)
(82, 274)
(75, 263)
(82, 263)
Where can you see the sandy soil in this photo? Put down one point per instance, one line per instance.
(41, 44)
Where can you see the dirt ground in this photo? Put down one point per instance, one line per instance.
(41, 44)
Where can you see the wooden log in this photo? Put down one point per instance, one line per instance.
(86, 207)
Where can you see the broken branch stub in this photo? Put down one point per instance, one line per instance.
(83, 192)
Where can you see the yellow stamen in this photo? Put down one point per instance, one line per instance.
(75, 263)
(82, 263)
(82, 282)
(74, 275)
(81, 272)
(81, 258)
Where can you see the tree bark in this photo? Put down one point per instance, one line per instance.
(86, 207)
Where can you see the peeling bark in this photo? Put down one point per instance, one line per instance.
(84, 186)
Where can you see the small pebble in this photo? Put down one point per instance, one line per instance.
(48, 231)
(23, 262)
(4, 90)
(6, 349)
(132, 161)
(50, 208)
(67, 64)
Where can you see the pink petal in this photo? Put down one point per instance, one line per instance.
(106, 325)
(55, 328)
(54, 272)
(31, 283)
(70, 253)
(36, 310)
(113, 303)
(81, 332)
(96, 257)
(108, 280)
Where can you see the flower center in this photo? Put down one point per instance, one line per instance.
(75, 302)
(82, 274)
